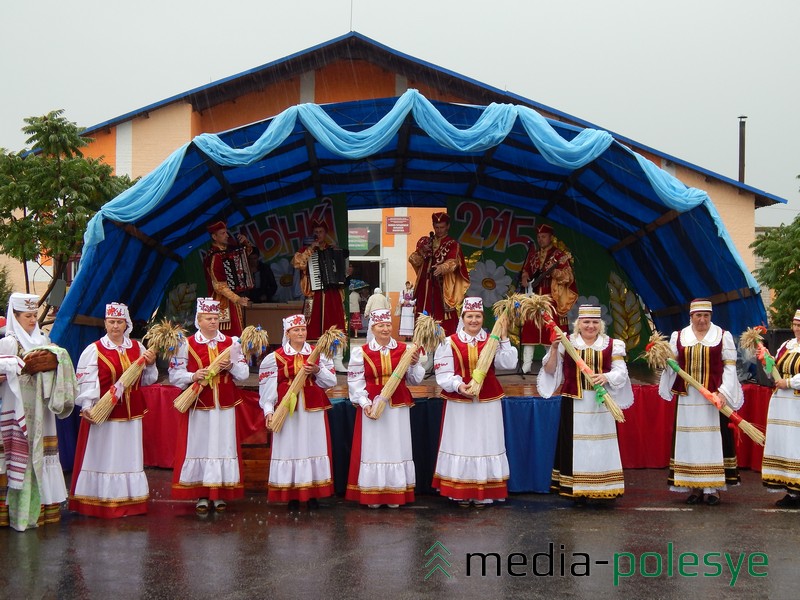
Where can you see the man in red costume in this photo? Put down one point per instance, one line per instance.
(546, 270)
(442, 275)
(231, 320)
(327, 307)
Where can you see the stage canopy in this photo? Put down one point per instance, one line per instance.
(409, 151)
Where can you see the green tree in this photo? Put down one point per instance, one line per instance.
(780, 250)
(49, 191)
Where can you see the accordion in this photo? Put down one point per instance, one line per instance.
(326, 269)
(237, 269)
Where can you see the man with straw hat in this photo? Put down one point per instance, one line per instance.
(587, 462)
(32, 398)
(207, 455)
(780, 469)
(442, 274)
(471, 466)
(703, 459)
(108, 478)
(300, 467)
(381, 461)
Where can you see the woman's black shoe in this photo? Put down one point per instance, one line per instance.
(695, 499)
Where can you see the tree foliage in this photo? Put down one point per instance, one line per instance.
(49, 191)
(780, 250)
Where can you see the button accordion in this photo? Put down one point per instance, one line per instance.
(237, 269)
(326, 269)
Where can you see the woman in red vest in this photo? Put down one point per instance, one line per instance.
(381, 461)
(108, 479)
(207, 455)
(472, 466)
(300, 467)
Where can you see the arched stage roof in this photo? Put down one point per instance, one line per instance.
(409, 151)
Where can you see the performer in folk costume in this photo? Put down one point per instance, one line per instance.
(327, 307)
(108, 479)
(32, 397)
(471, 465)
(587, 462)
(381, 461)
(377, 301)
(780, 469)
(547, 270)
(703, 458)
(231, 320)
(407, 302)
(442, 274)
(300, 467)
(208, 454)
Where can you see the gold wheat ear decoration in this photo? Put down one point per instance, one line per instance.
(507, 312)
(254, 341)
(752, 341)
(428, 334)
(163, 338)
(331, 342)
(660, 356)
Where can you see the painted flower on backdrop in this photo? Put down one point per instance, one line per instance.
(489, 281)
(288, 279)
(604, 314)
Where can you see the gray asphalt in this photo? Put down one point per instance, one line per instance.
(646, 544)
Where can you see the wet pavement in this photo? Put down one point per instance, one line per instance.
(657, 546)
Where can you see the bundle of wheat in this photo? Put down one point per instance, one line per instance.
(428, 333)
(332, 341)
(660, 356)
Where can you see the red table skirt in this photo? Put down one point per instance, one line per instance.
(645, 438)
(161, 422)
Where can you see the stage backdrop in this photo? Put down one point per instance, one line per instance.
(495, 241)
(276, 236)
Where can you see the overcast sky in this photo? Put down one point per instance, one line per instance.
(672, 75)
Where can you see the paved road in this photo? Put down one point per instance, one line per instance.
(657, 546)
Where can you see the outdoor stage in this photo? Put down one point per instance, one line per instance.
(531, 426)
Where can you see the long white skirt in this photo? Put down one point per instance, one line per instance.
(697, 461)
(596, 463)
(300, 451)
(211, 452)
(407, 321)
(387, 462)
(781, 465)
(113, 465)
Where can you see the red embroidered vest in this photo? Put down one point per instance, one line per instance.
(314, 397)
(222, 390)
(378, 369)
(465, 357)
(109, 369)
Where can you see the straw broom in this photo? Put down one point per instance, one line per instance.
(329, 342)
(254, 338)
(164, 339)
(659, 356)
(428, 334)
(601, 393)
(506, 312)
(751, 340)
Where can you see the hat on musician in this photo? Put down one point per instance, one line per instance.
(380, 315)
(590, 311)
(290, 322)
(440, 217)
(472, 304)
(796, 315)
(545, 228)
(215, 227)
(319, 223)
(115, 310)
(700, 305)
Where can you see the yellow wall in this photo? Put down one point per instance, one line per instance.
(159, 134)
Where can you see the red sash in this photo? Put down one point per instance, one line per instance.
(463, 363)
(314, 396)
(376, 375)
(222, 390)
